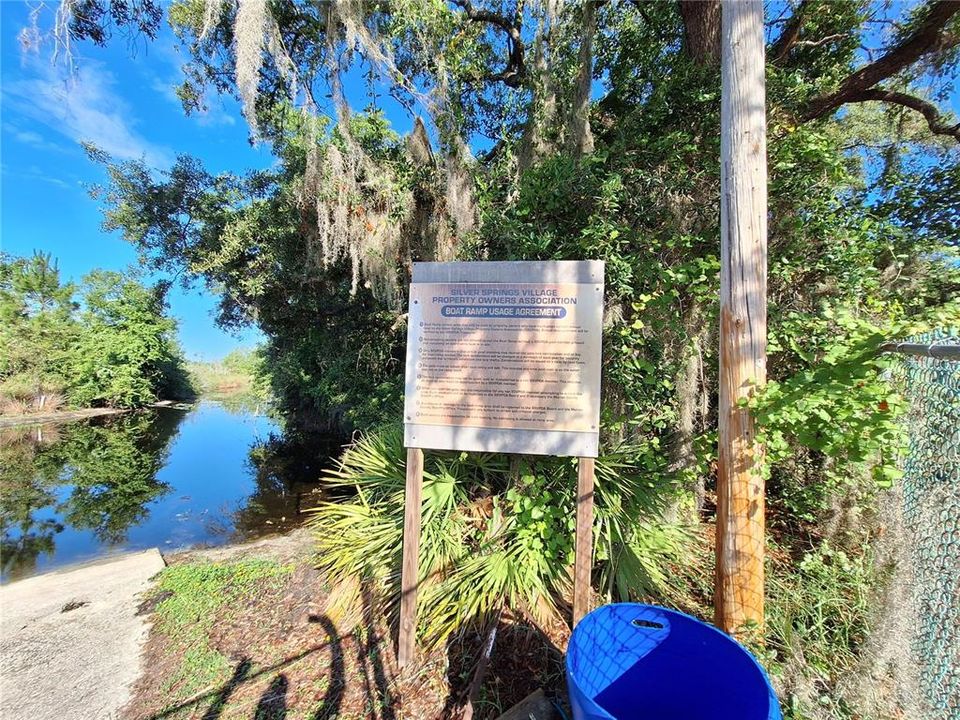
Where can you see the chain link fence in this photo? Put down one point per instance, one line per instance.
(930, 373)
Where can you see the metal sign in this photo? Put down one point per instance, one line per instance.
(505, 357)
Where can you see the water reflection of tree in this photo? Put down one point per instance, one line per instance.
(274, 499)
(112, 468)
(285, 469)
(22, 494)
(93, 476)
(247, 403)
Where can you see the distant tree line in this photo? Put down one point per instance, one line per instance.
(105, 343)
(242, 371)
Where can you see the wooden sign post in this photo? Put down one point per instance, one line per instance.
(411, 550)
(501, 357)
(583, 562)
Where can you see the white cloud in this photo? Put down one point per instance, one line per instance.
(167, 52)
(29, 137)
(165, 89)
(215, 114)
(35, 173)
(32, 139)
(82, 107)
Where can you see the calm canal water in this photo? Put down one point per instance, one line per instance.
(160, 478)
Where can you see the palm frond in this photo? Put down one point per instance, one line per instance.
(492, 538)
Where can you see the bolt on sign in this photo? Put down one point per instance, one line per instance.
(502, 357)
(505, 357)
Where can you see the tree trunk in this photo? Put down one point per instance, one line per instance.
(542, 113)
(687, 383)
(580, 140)
(738, 596)
(701, 30)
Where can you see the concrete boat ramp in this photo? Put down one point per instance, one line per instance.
(70, 640)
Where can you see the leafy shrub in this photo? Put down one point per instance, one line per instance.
(120, 350)
(819, 615)
(494, 533)
(837, 413)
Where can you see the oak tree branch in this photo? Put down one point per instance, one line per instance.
(515, 71)
(788, 38)
(929, 111)
(928, 37)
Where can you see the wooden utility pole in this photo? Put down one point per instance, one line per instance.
(738, 599)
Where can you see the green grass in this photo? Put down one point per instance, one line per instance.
(202, 594)
(818, 619)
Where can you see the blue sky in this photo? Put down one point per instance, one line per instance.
(121, 98)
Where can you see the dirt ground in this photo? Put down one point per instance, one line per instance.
(290, 661)
(295, 546)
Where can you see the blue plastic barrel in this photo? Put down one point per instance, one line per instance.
(629, 661)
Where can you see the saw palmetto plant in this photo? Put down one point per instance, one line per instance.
(496, 533)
